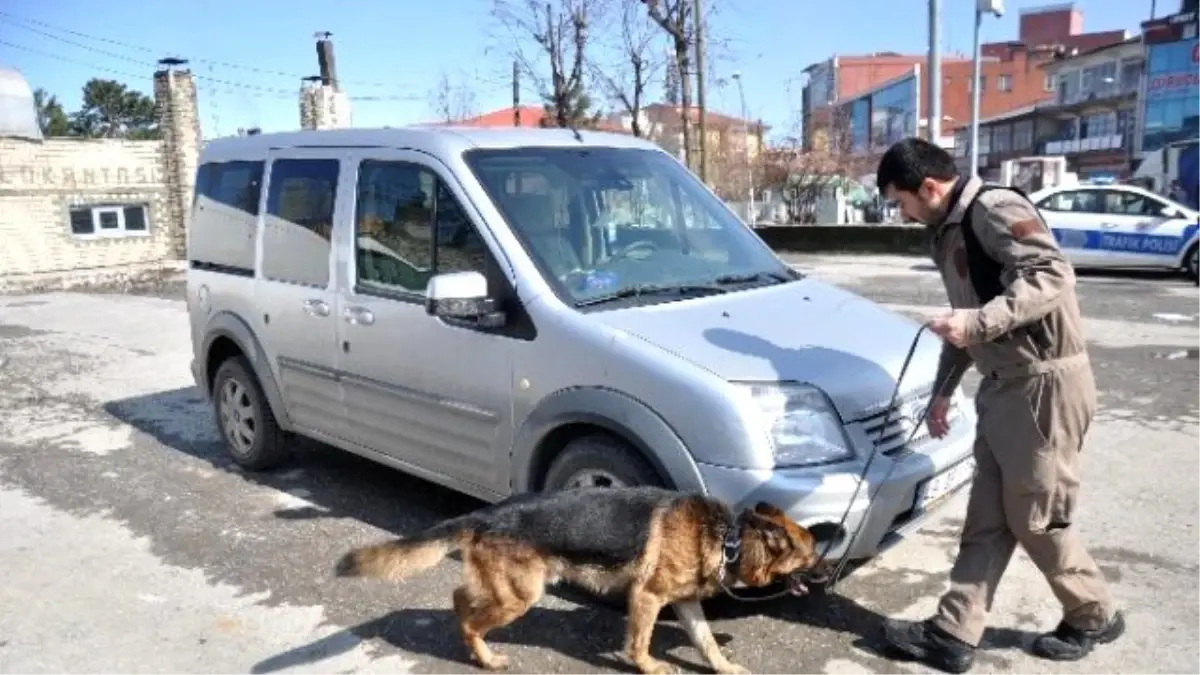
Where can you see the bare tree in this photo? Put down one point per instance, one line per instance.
(560, 31)
(638, 68)
(804, 177)
(452, 102)
(674, 18)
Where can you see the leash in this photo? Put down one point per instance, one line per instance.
(841, 566)
(731, 550)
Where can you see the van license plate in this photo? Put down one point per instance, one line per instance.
(937, 488)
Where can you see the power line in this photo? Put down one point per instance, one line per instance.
(230, 85)
(21, 22)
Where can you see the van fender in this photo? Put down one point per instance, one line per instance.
(229, 325)
(614, 411)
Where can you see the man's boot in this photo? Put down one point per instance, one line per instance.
(925, 642)
(1068, 643)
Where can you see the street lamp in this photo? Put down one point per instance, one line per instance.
(750, 218)
(982, 7)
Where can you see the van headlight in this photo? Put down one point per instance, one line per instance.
(805, 429)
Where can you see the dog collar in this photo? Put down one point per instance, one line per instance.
(731, 547)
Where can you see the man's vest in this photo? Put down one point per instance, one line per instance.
(985, 271)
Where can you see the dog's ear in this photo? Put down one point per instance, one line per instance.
(769, 510)
(774, 534)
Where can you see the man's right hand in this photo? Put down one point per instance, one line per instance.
(938, 418)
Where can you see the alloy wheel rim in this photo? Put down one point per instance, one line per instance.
(237, 416)
(595, 478)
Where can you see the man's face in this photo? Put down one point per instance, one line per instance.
(924, 206)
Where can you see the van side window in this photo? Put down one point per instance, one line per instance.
(236, 184)
(299, 221)
(224, 219)
(404, 211)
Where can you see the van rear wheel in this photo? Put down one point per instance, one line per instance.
(599, 460)
(248, 427)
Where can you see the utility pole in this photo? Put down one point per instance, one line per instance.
(975, 97)
(981, 7)
(933, 74)
(516, 84)
(699, 21)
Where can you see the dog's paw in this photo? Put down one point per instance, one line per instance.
(495, 661)
(655, 667)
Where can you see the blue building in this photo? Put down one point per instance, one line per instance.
(886, 114)
(1170, 101)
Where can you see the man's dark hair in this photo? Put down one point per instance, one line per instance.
(912, 160)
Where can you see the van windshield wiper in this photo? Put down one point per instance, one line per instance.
(639, 290)
(729, 279)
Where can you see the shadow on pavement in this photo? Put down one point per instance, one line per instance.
(595, 638)
(336, 484)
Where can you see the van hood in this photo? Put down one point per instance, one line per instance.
(803, 331)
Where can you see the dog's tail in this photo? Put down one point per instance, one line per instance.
(399, 559)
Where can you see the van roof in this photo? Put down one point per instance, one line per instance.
(434, 139)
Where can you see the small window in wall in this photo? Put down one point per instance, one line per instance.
(109, 220)
(1048, 83)
(1004, 82)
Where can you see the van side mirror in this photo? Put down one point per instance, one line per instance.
(462, 296)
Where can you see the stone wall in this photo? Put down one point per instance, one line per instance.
(74, 205)
(41, 184)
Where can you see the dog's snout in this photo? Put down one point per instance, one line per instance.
(821, 571)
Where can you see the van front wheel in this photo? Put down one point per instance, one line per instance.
(599, 461)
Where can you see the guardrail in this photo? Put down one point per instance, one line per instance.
(882, 238)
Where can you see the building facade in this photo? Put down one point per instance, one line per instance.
(1094, 109)
(1169, 107)
(1011, 135)
(1011, 72)
(879, 117)
(839, 80)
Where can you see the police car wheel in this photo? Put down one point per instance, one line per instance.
(1191, 266)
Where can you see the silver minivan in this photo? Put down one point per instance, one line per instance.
(512, 310)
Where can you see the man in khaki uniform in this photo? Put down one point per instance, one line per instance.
(1016, 318)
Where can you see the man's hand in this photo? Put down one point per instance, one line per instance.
(938, 419)
(953, 326)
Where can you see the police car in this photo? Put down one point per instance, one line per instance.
(1121, 226)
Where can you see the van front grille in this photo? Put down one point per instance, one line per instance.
(900, 421)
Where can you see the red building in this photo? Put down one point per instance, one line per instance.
(1011, 77)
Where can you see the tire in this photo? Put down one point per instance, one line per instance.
(600, 454)
(266, 444)
(599, 460)
(1190, 265)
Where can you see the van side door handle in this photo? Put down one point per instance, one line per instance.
(316, 307)
(359, 316)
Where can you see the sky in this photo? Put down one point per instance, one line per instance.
(249, 56)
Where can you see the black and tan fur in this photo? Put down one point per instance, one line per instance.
(659, 546)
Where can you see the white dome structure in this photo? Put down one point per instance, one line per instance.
(18, 114)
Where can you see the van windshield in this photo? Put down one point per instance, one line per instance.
(616, 223)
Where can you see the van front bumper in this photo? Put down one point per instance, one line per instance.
(817, 497)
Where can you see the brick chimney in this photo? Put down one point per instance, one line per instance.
(179, 125)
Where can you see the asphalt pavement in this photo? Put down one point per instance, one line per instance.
(128, 542)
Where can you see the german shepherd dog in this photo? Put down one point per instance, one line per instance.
(658, 546)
